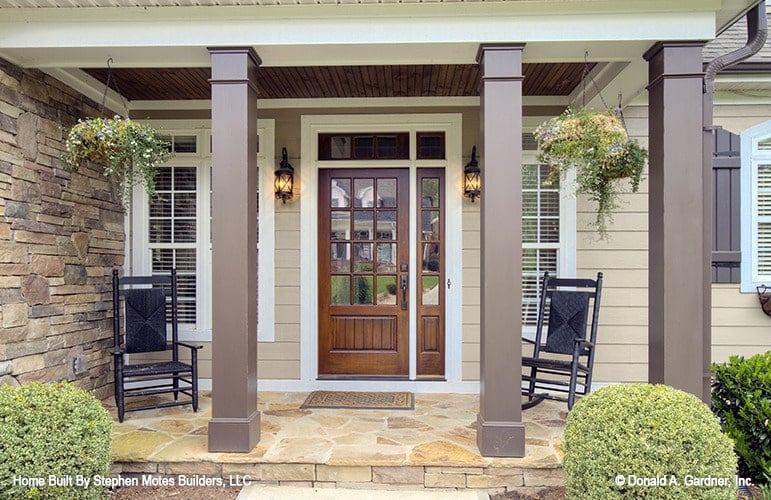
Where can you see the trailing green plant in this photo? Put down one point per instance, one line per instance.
(598, 147)
(129, 150)
(741, 398)
(646, 441)
(52, 431)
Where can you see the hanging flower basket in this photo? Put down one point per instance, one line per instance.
(129, 150)
(598, 147)
(764, 297)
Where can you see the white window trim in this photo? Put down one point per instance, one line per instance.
(136, 226)
(750, 157)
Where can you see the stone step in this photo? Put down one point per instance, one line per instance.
(260, 492)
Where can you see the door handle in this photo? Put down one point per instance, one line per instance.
(403, 285)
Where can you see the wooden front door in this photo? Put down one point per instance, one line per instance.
(364, 272)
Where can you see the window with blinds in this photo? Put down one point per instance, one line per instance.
(756, 207)
(763, 219)
(541, 241)
(172, 228)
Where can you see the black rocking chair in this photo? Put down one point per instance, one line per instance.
(144, 303)
(563, 363)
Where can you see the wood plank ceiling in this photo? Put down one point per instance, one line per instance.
(452, 80)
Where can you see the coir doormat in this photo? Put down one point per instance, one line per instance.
(360, 400)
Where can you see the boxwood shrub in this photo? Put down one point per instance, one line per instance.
(646, 441)
(50, 431)
(741, 398)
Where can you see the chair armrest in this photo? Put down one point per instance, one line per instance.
(584, 344)
(190, 346)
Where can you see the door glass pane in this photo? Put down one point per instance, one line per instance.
(386, 193)
(430, 225)
(340, 195)
(341, 289)
(430, 286)
(386, 257)
(386, 224)
(386, 290)
(431, 257)
(364, 192)
(363, 225)
(341, 225)
(362, 290)
(362, 257)
(430, 193)
(340, 257)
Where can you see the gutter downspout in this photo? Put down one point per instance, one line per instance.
(757, 31)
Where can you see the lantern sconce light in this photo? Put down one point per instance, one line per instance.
(472, 187)
(284, 182)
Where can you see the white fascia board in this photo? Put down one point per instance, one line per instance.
(152, 32)
(370, 24)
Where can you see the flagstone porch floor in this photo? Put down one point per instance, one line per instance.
(430, 447)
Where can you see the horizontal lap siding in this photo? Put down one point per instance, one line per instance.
(622, 352)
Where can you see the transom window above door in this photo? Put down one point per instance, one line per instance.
(380, 146)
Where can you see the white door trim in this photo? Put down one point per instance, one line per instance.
(311, 126)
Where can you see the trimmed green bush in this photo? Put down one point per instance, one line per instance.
(50, 434)
(741, 398)
(646, 441)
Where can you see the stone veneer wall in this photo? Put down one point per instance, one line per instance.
(60, 236)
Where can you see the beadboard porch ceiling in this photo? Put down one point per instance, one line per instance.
(422, 80)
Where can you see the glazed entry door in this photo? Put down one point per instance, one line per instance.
(364, 272)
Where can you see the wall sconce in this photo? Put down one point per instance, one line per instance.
(284, 182)
(472, 186)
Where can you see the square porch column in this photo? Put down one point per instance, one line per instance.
(679, 204)
(500, 431)
(235, 422)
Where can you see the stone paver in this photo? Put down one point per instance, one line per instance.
(432, 446)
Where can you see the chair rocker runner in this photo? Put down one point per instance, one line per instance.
(143, 300)
(563, 363)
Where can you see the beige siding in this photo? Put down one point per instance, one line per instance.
(280, 359)
(737, 118)
(622, 352)
(471, 290)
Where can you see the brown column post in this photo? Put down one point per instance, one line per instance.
(235, 423)
(679, 188)
(500, 432)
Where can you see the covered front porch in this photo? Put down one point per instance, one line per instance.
(432, 447)
(653, 46)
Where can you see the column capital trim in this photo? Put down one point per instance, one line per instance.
(659, 46)
(237, 50)
(485, 47)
